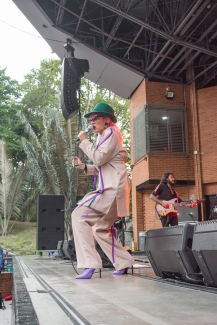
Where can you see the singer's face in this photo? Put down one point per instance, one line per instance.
(98, 123)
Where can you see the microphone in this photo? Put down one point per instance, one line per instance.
(191, 216)
(87, 130)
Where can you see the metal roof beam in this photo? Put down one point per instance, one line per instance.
(98, 30)
(189, 51)
(210, 76)
(191, 59)
(175, 58)
(60, 13)
(137, 35)
(79, 20)
(160, 17)
(183, 57)
(129, 43)
(175, 40)
(188, 25)
(117, 24)
(159, 77)
(177, 30)
(202, 72)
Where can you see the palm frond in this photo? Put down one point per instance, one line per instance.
(35, 165)
(6, 169)
(16, 198)
(28, 128)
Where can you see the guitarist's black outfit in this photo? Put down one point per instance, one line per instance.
(163, 192)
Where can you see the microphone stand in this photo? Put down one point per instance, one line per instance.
(191, 216)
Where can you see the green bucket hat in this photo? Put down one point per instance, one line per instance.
(105, 110)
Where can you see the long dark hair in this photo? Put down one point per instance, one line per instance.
(164, 178)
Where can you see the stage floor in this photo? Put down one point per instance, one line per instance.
(139, 299)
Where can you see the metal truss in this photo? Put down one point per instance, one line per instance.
(210, 76)
(60, 13)
(161, 38)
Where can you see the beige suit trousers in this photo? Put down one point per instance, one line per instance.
(97, 224)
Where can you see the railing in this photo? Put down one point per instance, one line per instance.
(21, 250)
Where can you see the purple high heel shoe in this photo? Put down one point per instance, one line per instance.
(120, 272)
(87, 274)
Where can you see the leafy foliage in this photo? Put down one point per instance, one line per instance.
(10, 128)
(40, 142)
(11, 194)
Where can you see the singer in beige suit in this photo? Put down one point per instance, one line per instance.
(98, 210)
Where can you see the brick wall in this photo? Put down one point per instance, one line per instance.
(180, 164)
(6, 284)
(207, 119)
(156, 93)
(184, 166)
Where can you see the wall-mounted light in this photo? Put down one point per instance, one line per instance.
(169, 93)
(164, 117)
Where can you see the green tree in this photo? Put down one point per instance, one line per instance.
(50, 155)
(11, 188)
(10, 128)
(48, 141)
(41, 89)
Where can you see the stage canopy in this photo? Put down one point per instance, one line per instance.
(127, 40)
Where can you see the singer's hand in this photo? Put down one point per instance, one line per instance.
(82, 135)
(77, 161)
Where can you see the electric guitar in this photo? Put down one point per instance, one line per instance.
(174, 203)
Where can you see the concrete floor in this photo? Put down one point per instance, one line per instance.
(5, 314)
(58, 298)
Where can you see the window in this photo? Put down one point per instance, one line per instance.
(140, 146)
(159, 128)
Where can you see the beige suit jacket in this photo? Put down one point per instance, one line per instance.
(111, 157)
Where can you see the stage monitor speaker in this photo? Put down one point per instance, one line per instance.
(72, 71)
(189, 214)
(50, 221)
(60, 248)
(69, 250)
(205, 250)
(170, 252)
(106, 263)
(75, 200)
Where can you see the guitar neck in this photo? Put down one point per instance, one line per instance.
(185, 202)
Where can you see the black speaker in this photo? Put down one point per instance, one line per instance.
(69, 250)
(60, 248)
(205, 250)
(75, 200)
(170, 252)
(189, 214)
(50, 221)
(72, 71)
(105, 260)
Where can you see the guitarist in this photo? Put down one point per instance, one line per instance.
(165, 192)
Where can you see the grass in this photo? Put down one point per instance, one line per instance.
(22, 237)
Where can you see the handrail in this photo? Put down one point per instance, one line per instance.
(21, 250)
